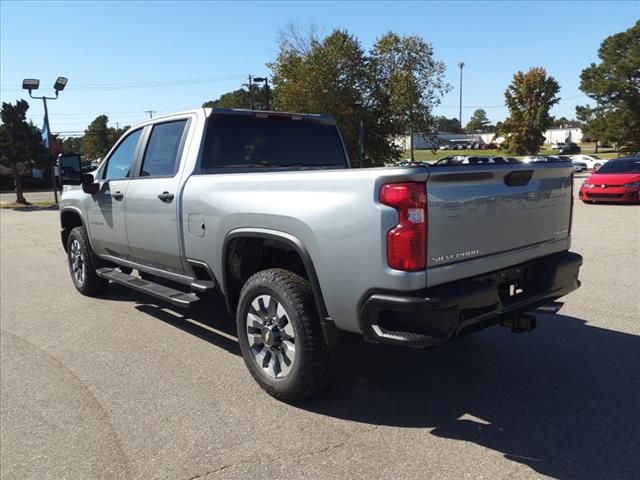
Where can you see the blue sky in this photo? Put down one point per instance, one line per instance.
(194, 51)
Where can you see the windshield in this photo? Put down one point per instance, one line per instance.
(631, 165)
(248, 142)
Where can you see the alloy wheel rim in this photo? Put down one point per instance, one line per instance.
(271, 336)
(77, 263)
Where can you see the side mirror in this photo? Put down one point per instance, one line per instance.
(70, 168)
(88, 184)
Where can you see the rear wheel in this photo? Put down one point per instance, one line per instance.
(280, 336)
(83, 273)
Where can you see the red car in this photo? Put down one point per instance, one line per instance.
(615, 181)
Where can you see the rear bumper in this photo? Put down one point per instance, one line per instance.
(434, 315)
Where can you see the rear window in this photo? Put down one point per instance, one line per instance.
(246, 142)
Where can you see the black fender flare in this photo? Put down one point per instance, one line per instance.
(328, 326)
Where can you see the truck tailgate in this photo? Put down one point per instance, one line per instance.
(479, 211)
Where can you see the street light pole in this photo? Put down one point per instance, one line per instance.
(266, 89)
(33, 84)
(251, 92)
(46, 123)
(461, 65)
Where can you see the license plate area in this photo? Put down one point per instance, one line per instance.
(514, 286)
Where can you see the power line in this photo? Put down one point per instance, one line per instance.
(146, 84)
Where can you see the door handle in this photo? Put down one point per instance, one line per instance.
(165, 196)
(117, 195)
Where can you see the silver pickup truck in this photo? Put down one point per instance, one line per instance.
(264, 209)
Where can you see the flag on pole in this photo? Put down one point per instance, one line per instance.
(47, 140)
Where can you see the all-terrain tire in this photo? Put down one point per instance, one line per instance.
(81, 267)
(314, 361)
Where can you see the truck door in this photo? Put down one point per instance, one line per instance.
(153, 198)
(106, 209)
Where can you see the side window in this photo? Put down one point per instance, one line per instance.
(163, 149)
(121, 161)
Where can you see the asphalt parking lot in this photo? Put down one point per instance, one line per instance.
(122, 387)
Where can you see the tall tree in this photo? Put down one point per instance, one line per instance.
(564, 122)
(595, 126)
(529, 98)
(240, 99)
(97, 139)
(70, 145)
(478, 122)
(614, 84)
(330, 78)
(408, 81)
(20, 143)
(389, 90)
(451, 125)
(116, 133)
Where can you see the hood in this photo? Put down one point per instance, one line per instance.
(613, 178)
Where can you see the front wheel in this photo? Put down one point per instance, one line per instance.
(280, 336)
(83, 273)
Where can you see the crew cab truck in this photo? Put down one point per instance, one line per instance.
(264, 209)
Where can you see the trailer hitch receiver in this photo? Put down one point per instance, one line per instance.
(521, 323)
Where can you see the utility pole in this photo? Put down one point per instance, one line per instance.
(461, 65)
(150, 112)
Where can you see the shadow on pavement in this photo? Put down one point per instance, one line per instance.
(564, 400)
(207, 320)
(30, 208)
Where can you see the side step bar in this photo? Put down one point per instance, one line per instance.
(174, 297)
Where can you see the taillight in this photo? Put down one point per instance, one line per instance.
(407, 241)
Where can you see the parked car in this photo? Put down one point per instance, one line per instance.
(578, 166)
(263, 209)
(616, 181)
(473, 160)
(558, 146)
(533, 159)
(593, 162)
(569, 148)
(546, 159)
